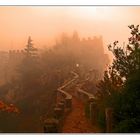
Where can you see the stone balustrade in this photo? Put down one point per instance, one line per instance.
(91, 110)
(90, 104)
(63, 107)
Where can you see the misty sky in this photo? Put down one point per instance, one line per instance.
(45, 23)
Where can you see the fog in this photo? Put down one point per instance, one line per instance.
(46, 23)
(49, 54)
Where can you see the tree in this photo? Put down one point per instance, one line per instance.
(30, 50)
(110, 84)
(29, 78)
(29, 69)
(126, 61)
(127, 107)
(120, 86)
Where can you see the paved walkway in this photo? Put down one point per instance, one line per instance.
(76, 121)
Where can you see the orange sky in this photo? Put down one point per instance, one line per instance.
(45, 23)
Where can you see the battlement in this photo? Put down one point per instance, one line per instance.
(95, 44)
(16, 51)
(16, 54)
(98, 41)
(94, 38)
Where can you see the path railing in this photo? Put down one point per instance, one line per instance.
(90, 104)
(91, 109)
(63, 107)
(65, 96)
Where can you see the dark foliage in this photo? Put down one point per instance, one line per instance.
(120, 87)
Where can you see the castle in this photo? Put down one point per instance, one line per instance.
(88, 51)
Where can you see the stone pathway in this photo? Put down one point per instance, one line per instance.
(76, 121)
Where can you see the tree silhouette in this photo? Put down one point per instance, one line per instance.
(126, 62)
(29, 69)
(30, 50)
(120, 86)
